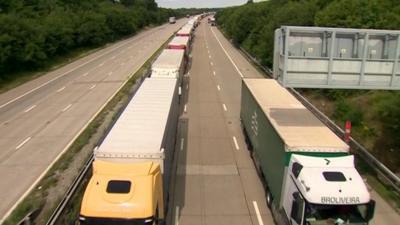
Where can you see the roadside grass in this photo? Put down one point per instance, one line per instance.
(36, 199)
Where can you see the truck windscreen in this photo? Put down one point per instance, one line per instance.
(316, 214)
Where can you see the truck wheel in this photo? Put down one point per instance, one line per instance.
(268, 198)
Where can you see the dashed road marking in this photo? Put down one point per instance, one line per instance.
(182, 143)
(185, 108)
(85, 74)
(177, 215)
(109, 73)
(211, 63)
(209, 56)
(260, 221)
(93, 86)
(67, 107)
(219, 88)
(23, 143)
(229, 57)
(30, 108)
(235, 142)
(224, 106)
(101, 64)
(113, 57)
(61, 89)
(214, 73)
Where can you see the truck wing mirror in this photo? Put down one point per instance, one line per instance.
(296, 195)
(370, 210)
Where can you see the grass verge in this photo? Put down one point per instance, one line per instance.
(38, 199)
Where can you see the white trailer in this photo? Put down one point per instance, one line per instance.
(179, 43)
(170, 64)
(146, 129)
(186, 30)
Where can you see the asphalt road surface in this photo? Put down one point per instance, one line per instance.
(216, 182)
(40, 118)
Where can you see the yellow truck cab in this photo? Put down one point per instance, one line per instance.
(120, 194)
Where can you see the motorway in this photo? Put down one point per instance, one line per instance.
(216, 182)
(41, 118)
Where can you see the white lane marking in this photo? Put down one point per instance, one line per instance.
(61, 75)
(260, 221)
(93, 86)
(22, 143)
(185, 108)
(209, 56)
(211, 63)
(113, 57)
(223, 105)
(101, 64)
(182, 143)
(235, 142)
(226, 53)
(180, 91)
(188, 73)
(30, 108)
(110, 73)
(187, 86)
(177, 215)
(61, 89)
(67, 107)
(85, 74)
(218, 87)
(214, 73)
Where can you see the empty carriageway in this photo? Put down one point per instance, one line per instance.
(216, 182)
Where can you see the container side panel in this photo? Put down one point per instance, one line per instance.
(268, 146)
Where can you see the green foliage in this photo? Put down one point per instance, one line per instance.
(345, 111)
(32, 31)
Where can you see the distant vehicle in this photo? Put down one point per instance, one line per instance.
(212, 21)
(172, 20)
(187, 16)
(307, 171)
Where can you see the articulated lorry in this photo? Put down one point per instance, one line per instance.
(307, 171)
(132, 166)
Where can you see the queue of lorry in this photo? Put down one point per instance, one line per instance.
(132, 166)
(308, 172)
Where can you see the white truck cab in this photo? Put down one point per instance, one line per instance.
(325, 191)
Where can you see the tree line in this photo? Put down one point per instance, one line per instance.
(252, 26)
(34, 31)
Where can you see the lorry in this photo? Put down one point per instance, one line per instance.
(186, 31)
(307, 171)
(179, 43)
(132, 166)
(172, 20)
(169, 64)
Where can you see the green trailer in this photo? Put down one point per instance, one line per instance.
(293, 151)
